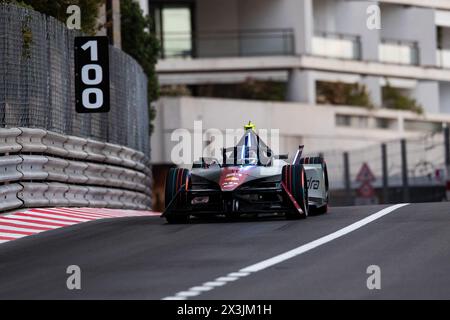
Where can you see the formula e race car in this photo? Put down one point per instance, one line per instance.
(250, 179)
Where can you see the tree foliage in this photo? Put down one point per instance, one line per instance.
(339, 93)
(393, 98)
(57, 9)
(263, 90)
(139, 43)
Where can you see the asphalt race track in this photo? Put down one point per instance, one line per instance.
(145, 258)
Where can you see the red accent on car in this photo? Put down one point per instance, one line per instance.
(233, 177)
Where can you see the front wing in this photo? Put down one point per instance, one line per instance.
(240, 201)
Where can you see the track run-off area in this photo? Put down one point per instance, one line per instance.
(321, 257)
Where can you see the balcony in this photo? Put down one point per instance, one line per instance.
(398, 52)
(242, 43)
(443, 58)
(334, 45)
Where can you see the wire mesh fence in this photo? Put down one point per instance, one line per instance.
(425, 160)
(37, 83)
(416, 172)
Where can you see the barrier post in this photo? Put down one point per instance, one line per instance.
(447, 160)
(405, 182)
(385, 181)
(347, 182)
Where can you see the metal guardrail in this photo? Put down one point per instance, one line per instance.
(443, 58)
(228, 43)
(40, 168)
(399, 52)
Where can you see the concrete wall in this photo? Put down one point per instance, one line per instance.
(427, 94)
(314, 126)
(347, 17)
(273, 14)
(212, 16)
(233, 15)
(444, 97)
(417, 24)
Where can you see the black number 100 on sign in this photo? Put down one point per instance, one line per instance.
(91, 74)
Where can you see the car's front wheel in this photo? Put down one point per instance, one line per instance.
(176, 179)
(294, 180)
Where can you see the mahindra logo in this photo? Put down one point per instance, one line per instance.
(313, 184)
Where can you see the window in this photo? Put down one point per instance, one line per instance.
(417, 125)
(351, 121)
(173, 25)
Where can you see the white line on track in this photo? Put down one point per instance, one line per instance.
(43, 225)
(10, 228)
(55, 216)
(12, 235)
(19, 216)
(234, 276)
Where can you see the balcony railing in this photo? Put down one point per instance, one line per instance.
(399, 52)
(443, 58)
(336, 45)
(242, 43)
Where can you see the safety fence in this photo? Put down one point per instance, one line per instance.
(402, 170)
(40, 168)
(37, 88)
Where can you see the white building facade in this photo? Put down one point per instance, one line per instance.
(300, 43)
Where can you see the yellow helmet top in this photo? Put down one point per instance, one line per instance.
(250, 125)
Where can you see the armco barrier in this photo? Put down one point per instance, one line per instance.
(32, 167)
(8, 196)
(75, 172)
(76, 196)
(112, 198)
(141, 182)
(94, 173)
(97, 197)
(141, 201)
(112, 176)
(94, 150)
(55, 144)
(112, 153)
(139, 158)
(56, 169)
(128, 178)
(56, 194)
(128, 199)
(31, 140)
(8, 168)
(127, 155)
(75, 147)
(8, 142)
(33, 194)
(50, 169)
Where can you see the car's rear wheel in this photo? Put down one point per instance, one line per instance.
(294, 179)
(176, 178)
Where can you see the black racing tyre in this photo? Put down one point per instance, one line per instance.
(175, 179)
(319, 160)
(294, 178)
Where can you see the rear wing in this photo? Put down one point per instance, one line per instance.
(298, 155)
